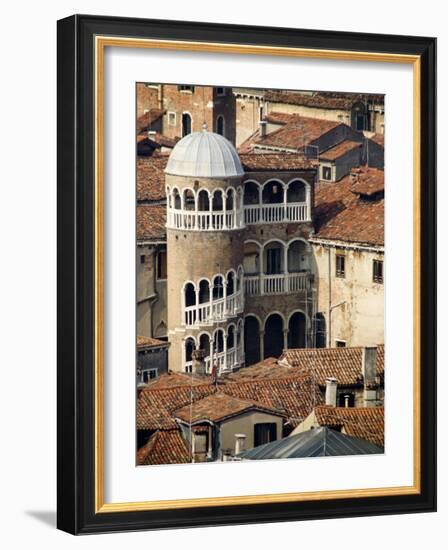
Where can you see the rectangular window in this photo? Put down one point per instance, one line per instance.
(220, 91)
(186, 89)
(341, 343)
(172, 119)
(265, 433)
(340, 265)
(149, 375)
(326, 173)
(142, 259)
(378, 271)
(161, 265)
(360, 122)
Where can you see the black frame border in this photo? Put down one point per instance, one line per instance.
(76, 262)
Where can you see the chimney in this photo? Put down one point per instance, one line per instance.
(369, 374)
(263, 126)
(240, 440)
(198, 357)
(151, 134)
(331, 391)
(354, 175)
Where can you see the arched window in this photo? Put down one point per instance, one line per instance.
(274, 258)
(177, 201)
(203, 201)
(273, 336)
(230, 283)
(189, 202)
(217, 201)
(189, 348)
(273, 192)
(251, 193)
(186, 124)
(218, 287)
(220, 125)
(298, 257)
(251, 340)
(296, 192)
(204, 291)
(190, 295)
(320, 330)
(218, 341)
(230, 199)
(231, 337)
(204, 344)
(297, 330)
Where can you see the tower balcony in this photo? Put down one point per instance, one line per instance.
(276, 213)
(282, 283)
(215, 311)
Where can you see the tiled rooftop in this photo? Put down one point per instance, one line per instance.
(324, 100)
(258, 162)
(340, 150)
(151, 178)
(144, 121)
(364, 423)
(344, 364)
(164, 447)
(147, 342)
(151, 220)
(370, 181)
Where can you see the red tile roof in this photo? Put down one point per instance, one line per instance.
(340, 214)
(151, 221)
(151, 178)
(164, 447)
(364, 423)
(172, 379)
(324, 100)
(258, 162)
(369, 181)
(299, 132)
(268, 368)
(340, 150)
(344, 364)
(218, 407)
(144, 121)
(147, 342)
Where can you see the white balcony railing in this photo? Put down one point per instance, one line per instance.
(226, 361)
(205, 220)
(214, 311)
(257, 285)
(273, 213)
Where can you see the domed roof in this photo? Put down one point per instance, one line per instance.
(204, 155)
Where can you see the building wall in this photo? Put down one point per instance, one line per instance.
(147, 98)
(244, 424)
(153, 358)
(247, 117)
(338, 115)
(359, 321)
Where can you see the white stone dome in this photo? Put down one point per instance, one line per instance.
(204, 155)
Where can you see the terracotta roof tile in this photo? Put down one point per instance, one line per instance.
(268, 368)
(364, 423)
(258, 162)
(146, 342)
(344, 364)
(340, 149)
(298, 132)
(151, 221)
(340, 214)
(151, 178)
(370, 181)
(324, 100)
(164, 447)
(218, 407)
(173, 379)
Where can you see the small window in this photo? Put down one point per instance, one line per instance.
(186, 124)
(326, 173)
(172, 119)
(265, 433)
(184, 88)
(340, 265)
(341, 343)
(360, 125)
(142, 258)
(161, 265)
(149, 375)
(220, 91)
(220, 125)
(378, 271)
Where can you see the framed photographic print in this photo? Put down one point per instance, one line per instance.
(246, 274)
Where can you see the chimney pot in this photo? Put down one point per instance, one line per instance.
(331, 391)
(263, 127)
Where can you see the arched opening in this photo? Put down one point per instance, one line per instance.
(230, 283)
(203, 201)
(320, 330)
(190, 295)
(218, 341)
(230, 199)
(297, 331)
(217, 201)
(204, 344)
(296, 192)
(204, 291)
(251, 193)
(274, 258)
(176, 199)
(189, 202)
(218, 287)
(273, 193)
(220, 125)
(298, 257)
(358, 117)
(186, 124)
(252, 340)
(231, 338)
(273, 336)
(251, 258)
(189, 348)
